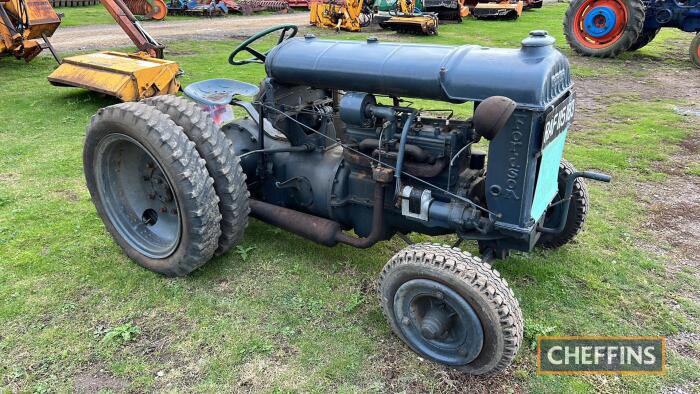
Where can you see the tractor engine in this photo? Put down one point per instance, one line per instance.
(343, 147)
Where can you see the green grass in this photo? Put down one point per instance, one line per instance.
(294, 316)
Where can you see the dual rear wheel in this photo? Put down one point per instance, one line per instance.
(165, 183)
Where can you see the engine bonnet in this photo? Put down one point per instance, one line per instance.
(534, 75)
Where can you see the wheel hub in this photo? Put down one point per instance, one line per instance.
(438, 322)
(600, 21)
(137, 196)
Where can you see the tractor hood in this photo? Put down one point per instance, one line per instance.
(535, 75)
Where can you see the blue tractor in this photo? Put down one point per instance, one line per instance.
(606, 28)
(332, 150)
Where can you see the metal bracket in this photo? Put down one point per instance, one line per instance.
(415, 203)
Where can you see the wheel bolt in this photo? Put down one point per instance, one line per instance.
(406, 321)
(439, 295)
(151, 195)
(163, 210)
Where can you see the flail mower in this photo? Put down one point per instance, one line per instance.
(606, 28)
(330, 150)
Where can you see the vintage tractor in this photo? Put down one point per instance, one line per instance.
(329, 146)
(606, 28)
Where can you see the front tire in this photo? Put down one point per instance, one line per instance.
(451, 308)
(151, 188)
(603, 28)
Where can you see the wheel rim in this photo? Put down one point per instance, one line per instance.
(600, 23)
(137, 196)
(438, 322)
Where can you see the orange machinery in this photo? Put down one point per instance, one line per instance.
(127, 76)
(25, 26)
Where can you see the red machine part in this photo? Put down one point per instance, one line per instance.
(127, 21)
(610, 28)
(298, 3)
(148, 9)
(248, 7)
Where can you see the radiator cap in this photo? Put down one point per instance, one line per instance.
(538, 38)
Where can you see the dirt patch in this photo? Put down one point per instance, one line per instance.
(645, 78)
(68, 39)
(96, 382)
(69, 195)
(9, 177)
(403, 371)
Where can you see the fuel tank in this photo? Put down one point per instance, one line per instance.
(534, 75)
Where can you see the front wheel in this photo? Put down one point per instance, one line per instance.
(695, 50)
(451, 308)
(603, 28)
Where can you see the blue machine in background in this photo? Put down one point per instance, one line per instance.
(606, 28)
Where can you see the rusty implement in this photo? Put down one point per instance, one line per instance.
(22, 24)
(498, 10)
(129, 77)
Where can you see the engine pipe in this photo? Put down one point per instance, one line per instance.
(402, 149)
(320, 230)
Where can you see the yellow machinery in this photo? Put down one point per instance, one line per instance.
(25, 28)
(505, 9)
(404, 19)
(22, 24)
(350, 15)
(129, 77)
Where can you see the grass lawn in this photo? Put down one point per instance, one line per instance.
(281, 314)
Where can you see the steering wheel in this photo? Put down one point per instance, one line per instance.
(259, 57)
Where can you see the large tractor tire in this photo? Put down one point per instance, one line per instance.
(151, 188)
(695, 50)
(578, 210)
(222, 164)
(451, 308)
(645, 37)
(603, 28)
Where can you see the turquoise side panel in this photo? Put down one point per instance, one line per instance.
(547, 185)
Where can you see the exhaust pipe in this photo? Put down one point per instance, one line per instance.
(320, 230)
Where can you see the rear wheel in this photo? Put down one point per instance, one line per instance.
(578, 209)
(695, 50)
(151, 188)
(222, 164)
(645, 37)
(451, 308)
(603, 28)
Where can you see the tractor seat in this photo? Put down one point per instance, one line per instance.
(219, 91)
